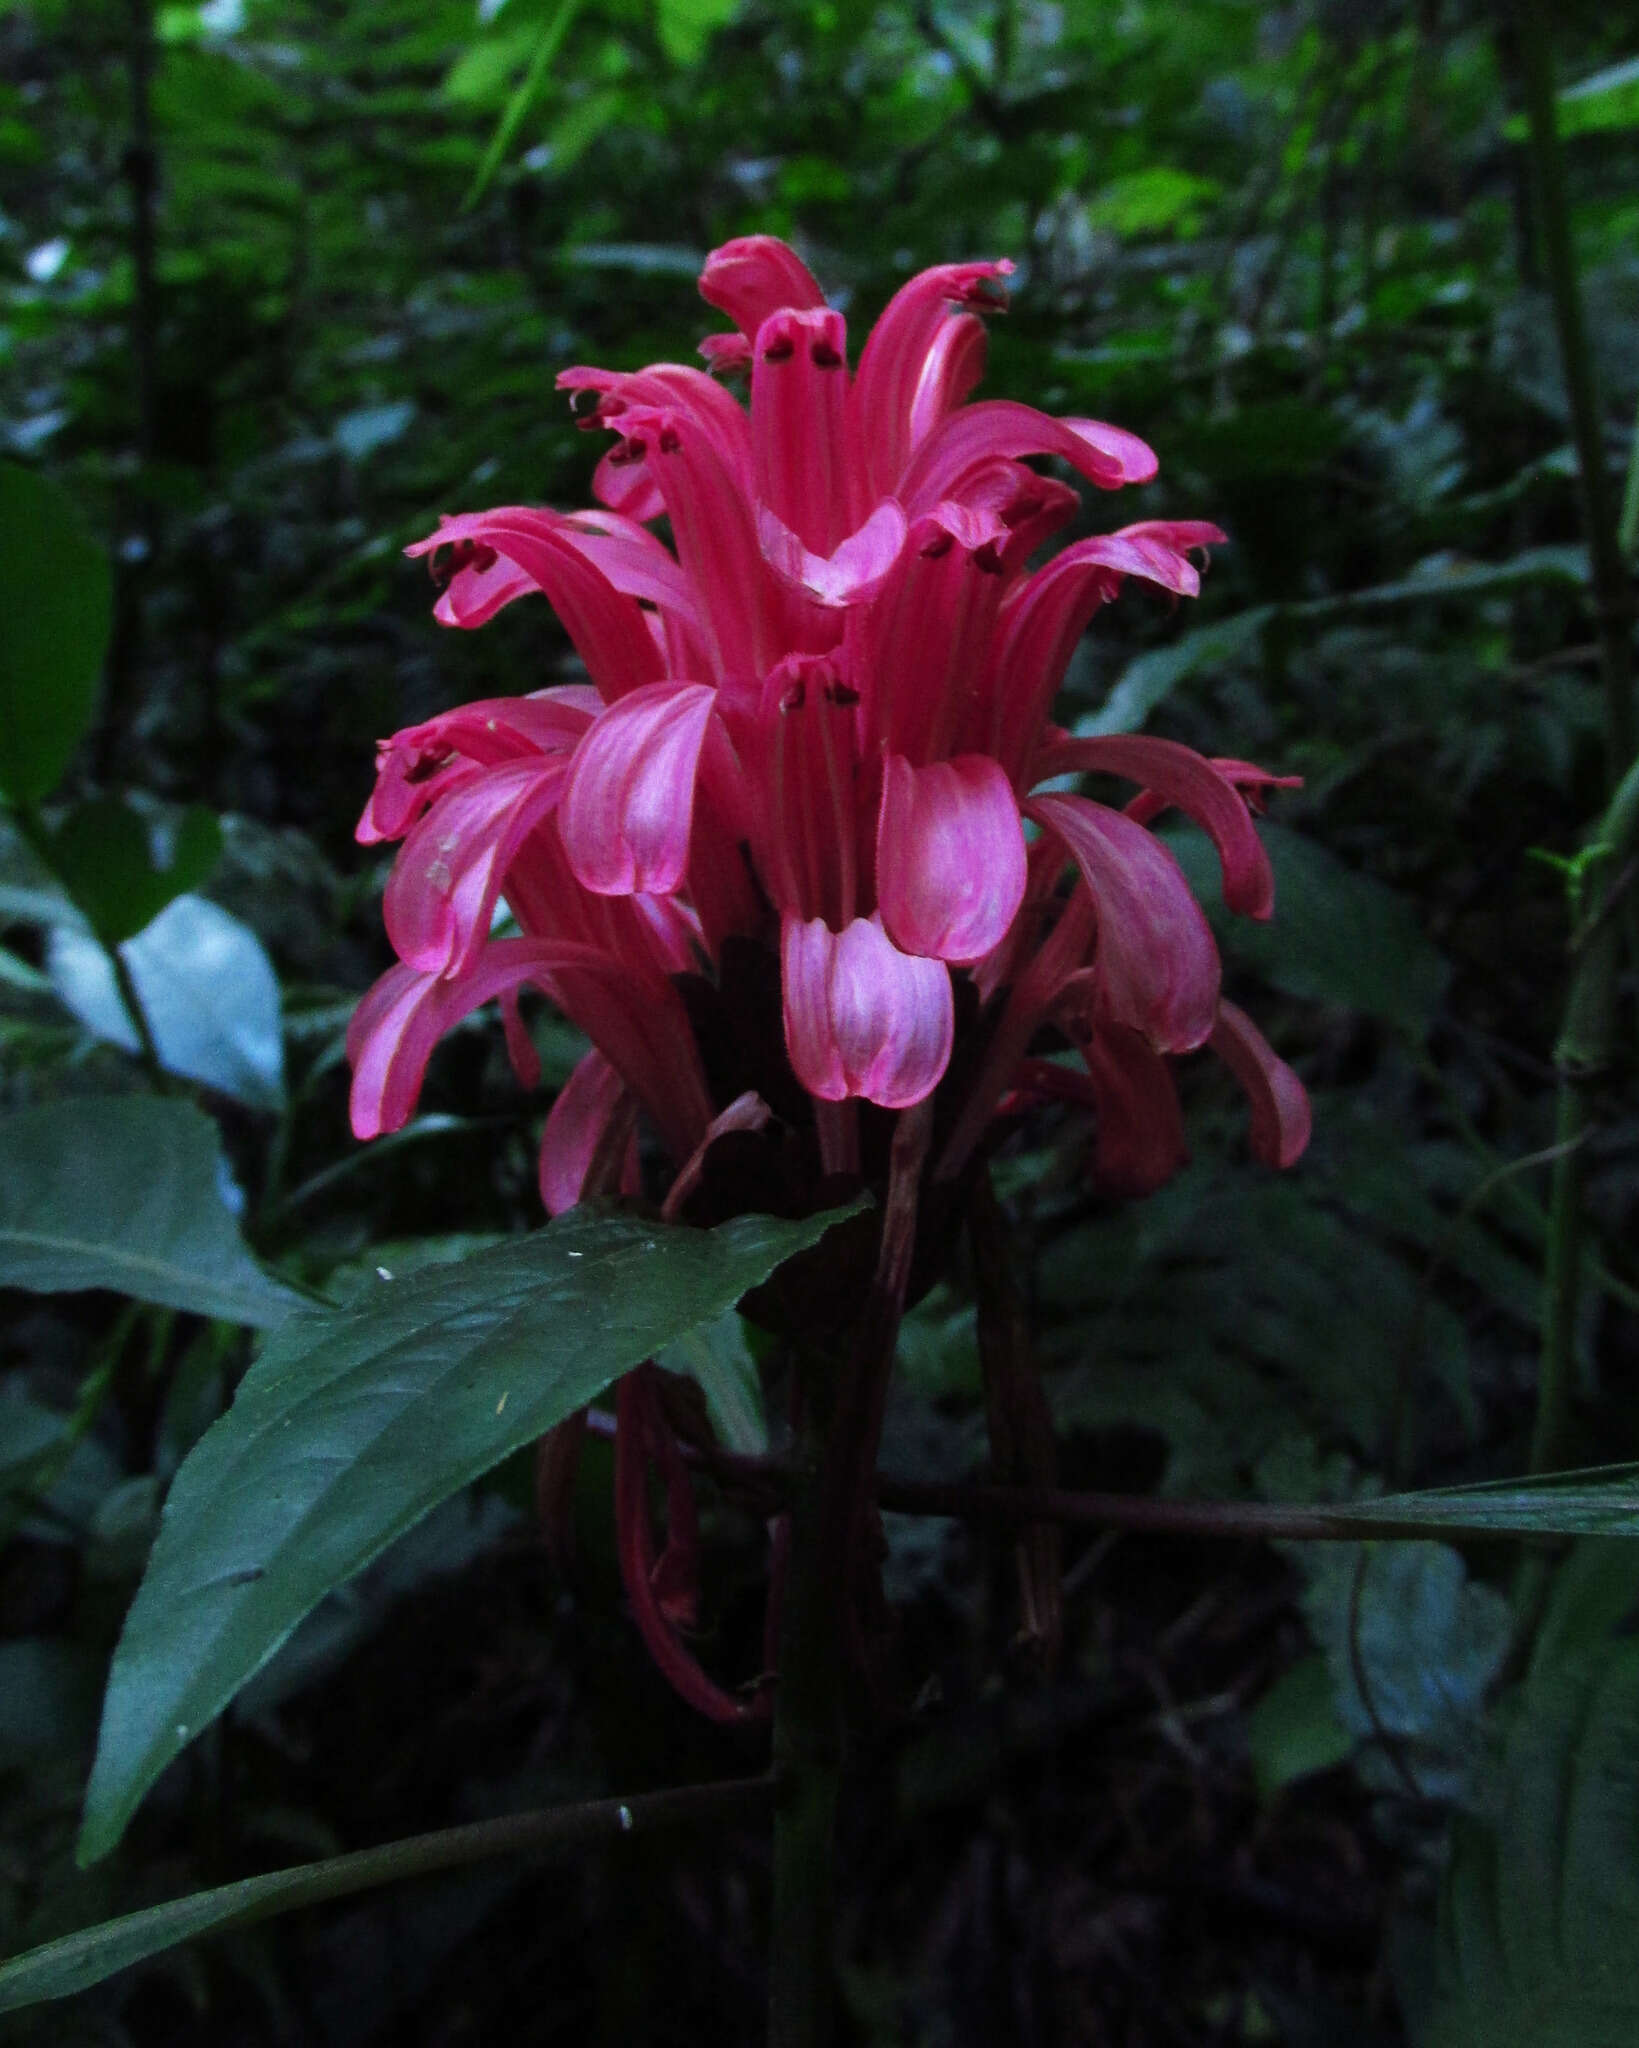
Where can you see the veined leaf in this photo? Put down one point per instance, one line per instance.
(352, 1424)
(1540, 1909)
(127, 1194)
(1337, 936)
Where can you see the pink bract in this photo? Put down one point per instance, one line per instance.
(817, 722)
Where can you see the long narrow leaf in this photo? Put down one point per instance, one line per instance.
(58, 1969)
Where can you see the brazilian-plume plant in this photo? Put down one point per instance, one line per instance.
(799, 858)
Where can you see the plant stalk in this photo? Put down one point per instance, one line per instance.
(1583, 1056)
(841, 1431)
(1613, 594)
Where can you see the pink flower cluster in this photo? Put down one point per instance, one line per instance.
(819, 720)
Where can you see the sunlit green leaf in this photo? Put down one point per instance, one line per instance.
(207, 989)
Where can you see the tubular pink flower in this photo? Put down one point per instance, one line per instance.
(1280, 1107)
(754, 276)
(814, 723)
(950, 857)
(1156, 964)
(606, 626)
(590, 1106)
(444, 886)
(629, 804)
(1178, 775)
(861, 1017)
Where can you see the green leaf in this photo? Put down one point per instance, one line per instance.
(127, 1194)
(1157, 201)
(1595, 1596)
(352, 1424)
(56, 597)
(1337, 936)
(206, 986)
(1413, 1644)
(1607, 99)
(1539, 1913)
(552, 32)
(719, 1358)
(104, 855)
(686, 26)
(1294, 1730)
(74, 1963)
(1600, 1501)
(1447, 576)
(1151, 678)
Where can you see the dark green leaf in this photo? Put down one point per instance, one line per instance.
(77, 1961)
(127, 1194)
(103, 853)
(1539, 1915)
(1294, 1730)
(352, 1425)
(1151, 678)
(56, 597)
(1603, 1501)
(1337, 936)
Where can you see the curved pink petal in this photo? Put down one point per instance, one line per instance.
(628, 805)
(417, 765)
(1181, 534)
(638, 1430)
(606, 626)
(910, 355)
(855, 570)
(586, 1109)
(669, 387)
(1042, 623)
(950, 857)
(403, 1016)
(441, 894)
(952, 370)
(1279, 1101)
(1156, 963)
(726, 354)
(1180, 776)
(974, 434)
(634, 1015)
(1140, 1141)
(755, 275)
(861, 1017)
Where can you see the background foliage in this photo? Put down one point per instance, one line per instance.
(1271, 1794)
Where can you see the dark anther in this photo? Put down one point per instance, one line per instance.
(939, 545)
(446, 562)
(987, 559)
(670, 441)
(780, 351)
(841, 694)
(426, 765)
(825, 357)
